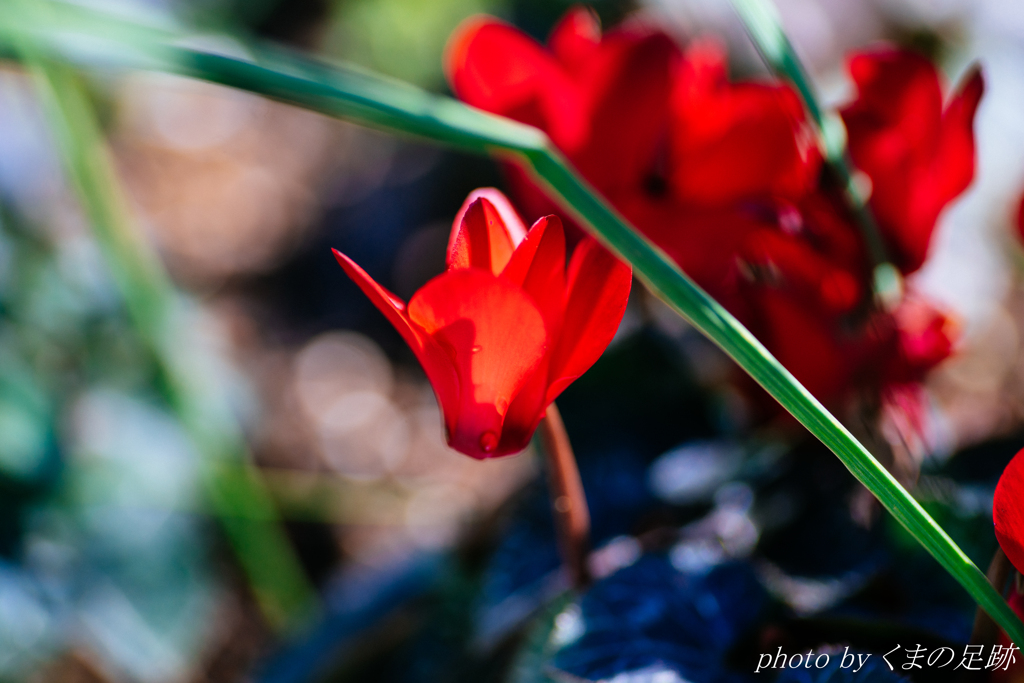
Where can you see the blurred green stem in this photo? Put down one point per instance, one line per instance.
(241, 502)
(380, 103)
(762, 23)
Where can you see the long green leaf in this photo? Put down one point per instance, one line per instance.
(377, 102)
(241, 502)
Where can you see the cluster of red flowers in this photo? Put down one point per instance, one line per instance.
(726, 178)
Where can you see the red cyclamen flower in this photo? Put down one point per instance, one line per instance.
(1008, 511)
(508, 326)
(919, 155)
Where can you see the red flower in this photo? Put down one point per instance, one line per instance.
(918, 155)
(1008, 511)
(508, 326)
(611, 103)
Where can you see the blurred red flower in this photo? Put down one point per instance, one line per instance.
(734, 141)
(919, 155)
(635, 115)
(508, 326)
(603, 101)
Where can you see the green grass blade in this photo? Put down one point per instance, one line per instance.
(379, 103)
(242, 504)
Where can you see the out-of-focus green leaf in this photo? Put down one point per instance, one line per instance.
(159, 315)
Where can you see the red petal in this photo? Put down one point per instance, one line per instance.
(509, 215)
(925, 337)
(538, 266)
(575, 38)
(917, 158)
(627, 88)
(494, 335)
(598, 289)
(954, 158)
(830, 228)
(703, 243)
(898, 92)
(732, 141)
(803, 269)
(805, 343)
(480, 237)
(1008, 511)
(436, 363)
(500, 69)
(945, 174)
(525, 412)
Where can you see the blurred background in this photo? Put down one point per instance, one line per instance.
(423, 564)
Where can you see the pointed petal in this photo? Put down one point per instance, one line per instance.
(949, 173)
(485, 231)
(954, 158)
(507, 218)
(480, 238)
(538, 266)
(494, 335)
(598, 290)
(1008, 511)
(436, 364)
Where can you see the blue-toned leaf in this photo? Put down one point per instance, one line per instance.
(652, 615)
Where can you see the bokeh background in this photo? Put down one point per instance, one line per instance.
(425, 564)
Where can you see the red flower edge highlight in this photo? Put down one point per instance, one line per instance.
(1008, 511)
(507, 327)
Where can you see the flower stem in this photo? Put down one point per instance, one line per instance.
(568, 502)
